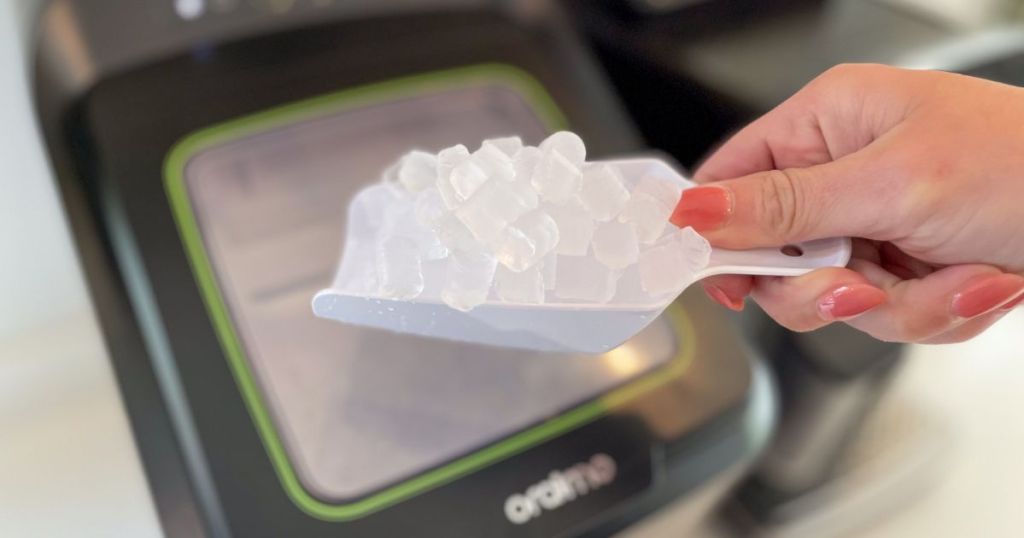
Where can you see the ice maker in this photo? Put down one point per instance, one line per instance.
(205, 152)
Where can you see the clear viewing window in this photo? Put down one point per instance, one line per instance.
(357, 409)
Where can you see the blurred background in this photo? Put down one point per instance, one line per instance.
(139, 397)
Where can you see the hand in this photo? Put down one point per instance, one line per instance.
(925, 169)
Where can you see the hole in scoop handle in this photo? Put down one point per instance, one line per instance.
(832, 252)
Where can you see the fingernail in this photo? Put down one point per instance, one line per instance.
(703, 208)
(846, 302)
(1012, 304)
(987, 294)
(719, 296)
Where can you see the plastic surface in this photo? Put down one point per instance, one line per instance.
(558, 325)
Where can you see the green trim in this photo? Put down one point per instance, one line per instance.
(174, 168)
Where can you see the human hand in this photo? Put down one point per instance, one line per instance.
(924, 168)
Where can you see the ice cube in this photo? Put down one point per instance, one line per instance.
(575, 228)
(466, 178)
(568, 145)
(549, 270)
(494, 162)
(648, 214)
(399, 269)
(696, 250)
(453, 234)
(514, 249)
(520, 287)
(542, 231)
(480, 221)
(602, 192)
(447, 160)
(365, 218)
(428, 207)
(673, 262)
(663, 190)
(523, 244)
(468, 279)
(430, 245)
(367, 208)
(509, 145)
(657, 264)
(397, 217)
(524, 194)
(583, 278)
(491, 209)
(417, 170)
(615, 244)
(556, 179)
(400, 221)
(525, 163)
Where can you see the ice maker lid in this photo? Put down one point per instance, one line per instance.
(354, 415)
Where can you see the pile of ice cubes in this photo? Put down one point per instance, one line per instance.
(527, 225)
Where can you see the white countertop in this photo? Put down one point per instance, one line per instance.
(978, 388)
(68, 464)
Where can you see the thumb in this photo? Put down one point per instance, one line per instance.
(776, 207)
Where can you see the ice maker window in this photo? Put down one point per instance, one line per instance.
(356, 409)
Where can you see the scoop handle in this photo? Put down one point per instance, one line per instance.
(789, 260)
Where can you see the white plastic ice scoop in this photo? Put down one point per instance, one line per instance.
(531, 248)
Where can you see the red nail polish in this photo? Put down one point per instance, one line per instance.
(847, 302)
(703, 208)
(986, 294)
(722, 298)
